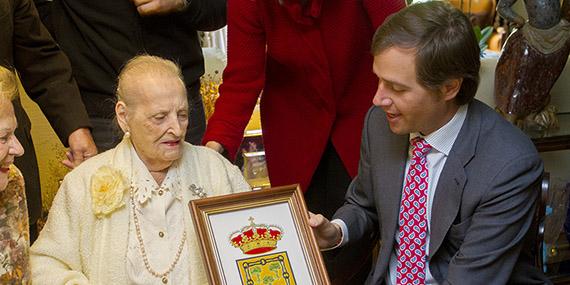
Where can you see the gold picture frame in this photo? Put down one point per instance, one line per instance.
(258, 237)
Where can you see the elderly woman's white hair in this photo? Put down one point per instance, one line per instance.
(144, 67)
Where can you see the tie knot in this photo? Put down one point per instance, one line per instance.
(420, 146)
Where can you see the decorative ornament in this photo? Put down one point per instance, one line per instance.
(108, 188)
(209, 89)
(256, 238)
(198, 191)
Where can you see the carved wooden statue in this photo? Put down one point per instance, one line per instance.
(532, 60)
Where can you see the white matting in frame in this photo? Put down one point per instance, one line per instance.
(259, 237)
(278, 215)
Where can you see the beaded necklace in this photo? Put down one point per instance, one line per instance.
(196, 191)
(162, 275)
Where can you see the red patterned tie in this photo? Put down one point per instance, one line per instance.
(413, 218)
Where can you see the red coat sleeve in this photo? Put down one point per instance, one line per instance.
(243, 77)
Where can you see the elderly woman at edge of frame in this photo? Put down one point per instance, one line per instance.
(14, 234)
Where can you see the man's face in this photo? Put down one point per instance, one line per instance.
(409, 106)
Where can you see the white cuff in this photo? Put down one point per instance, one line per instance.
(343, 234)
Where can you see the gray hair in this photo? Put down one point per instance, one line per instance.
(142, 66)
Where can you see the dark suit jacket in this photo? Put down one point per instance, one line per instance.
(483, 204)
(45, 73)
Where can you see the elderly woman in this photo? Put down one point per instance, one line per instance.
(14, 236)
(122, 216)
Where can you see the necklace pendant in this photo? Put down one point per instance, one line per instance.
(164, 280)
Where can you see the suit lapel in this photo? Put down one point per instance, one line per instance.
(447, 201)
(392, 178)
(449, 190)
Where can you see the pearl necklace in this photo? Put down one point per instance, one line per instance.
(162, 275)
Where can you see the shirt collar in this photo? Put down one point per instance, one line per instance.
(443, 138)
(144, 184)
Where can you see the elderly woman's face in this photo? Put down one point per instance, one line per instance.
(10, 147)
(158, 122)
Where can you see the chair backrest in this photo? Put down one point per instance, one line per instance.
(538, 223)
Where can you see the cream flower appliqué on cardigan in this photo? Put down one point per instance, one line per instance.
(108, 188)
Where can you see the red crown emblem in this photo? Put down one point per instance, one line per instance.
(256, 238)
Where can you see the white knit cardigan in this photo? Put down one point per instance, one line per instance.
(75, 247)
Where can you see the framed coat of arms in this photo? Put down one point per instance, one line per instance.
(259, 237)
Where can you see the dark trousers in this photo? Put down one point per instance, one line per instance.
(349, 264)
(106, 133)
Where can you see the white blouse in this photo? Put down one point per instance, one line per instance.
(159, 210)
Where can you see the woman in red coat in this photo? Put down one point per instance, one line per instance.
(312, 60)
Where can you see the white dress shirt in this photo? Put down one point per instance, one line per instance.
(441, 141)
(160, 213)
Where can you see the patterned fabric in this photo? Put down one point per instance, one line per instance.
(413, 218)
(14, 235)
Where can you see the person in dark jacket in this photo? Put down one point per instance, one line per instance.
(100, 36)
(45, 73)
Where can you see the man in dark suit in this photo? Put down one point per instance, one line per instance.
(100, 36)
(447, 184)
(45, 74)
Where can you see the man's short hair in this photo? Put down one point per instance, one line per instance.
(444, 41)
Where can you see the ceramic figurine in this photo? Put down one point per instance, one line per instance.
(531, 62)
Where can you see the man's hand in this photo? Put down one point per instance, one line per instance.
(81, 147)
(159, 7)
(215, 146)
(328, 234)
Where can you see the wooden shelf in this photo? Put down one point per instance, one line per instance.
(553, 140)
